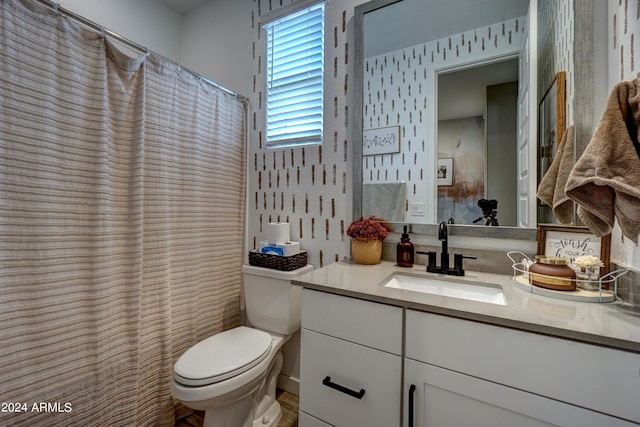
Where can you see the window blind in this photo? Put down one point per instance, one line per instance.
(295, 78)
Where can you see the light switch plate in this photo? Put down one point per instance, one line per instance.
(418, 208)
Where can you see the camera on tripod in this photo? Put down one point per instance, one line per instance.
(489, 211)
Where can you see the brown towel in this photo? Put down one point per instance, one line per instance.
(551, 188)
(605, 182)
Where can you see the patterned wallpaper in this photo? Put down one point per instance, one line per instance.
(555, 47)
(624, 31)
(310, 187)
(397, 93)
(623, 43)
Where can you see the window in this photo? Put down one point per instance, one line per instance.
(295, 78)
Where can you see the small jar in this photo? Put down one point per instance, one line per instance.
(553, 273)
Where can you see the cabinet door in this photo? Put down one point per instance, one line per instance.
(437, 397)
(306, 420)
(601, 379)
(349, 385)
(368, 323)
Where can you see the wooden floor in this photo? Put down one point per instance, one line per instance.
(288, 402)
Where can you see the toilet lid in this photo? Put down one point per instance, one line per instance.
(222, 356)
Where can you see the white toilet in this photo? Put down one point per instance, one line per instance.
(232, 375)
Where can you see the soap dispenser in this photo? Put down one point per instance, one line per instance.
(404, 250)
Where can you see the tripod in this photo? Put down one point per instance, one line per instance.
(490, 216)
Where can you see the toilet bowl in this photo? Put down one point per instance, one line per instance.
(232, 375)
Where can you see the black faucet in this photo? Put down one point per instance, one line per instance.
(443, 236)
(457, 270)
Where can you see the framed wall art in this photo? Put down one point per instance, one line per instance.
(445, 171)
(572, 241)
(381, 141)
(551, 122)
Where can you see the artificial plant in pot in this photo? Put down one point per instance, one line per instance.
(366, 235)
(588, 272)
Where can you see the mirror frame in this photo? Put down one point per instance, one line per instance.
(460, 230)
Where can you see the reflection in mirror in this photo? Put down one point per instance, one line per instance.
(564, 35)
(384, 200)
(402, 67)
(551, 134)
(477, 109)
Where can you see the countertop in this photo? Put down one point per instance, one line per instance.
(615, 324)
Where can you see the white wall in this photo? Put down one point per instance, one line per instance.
(146, 22)
(217, 43)
(623, 41)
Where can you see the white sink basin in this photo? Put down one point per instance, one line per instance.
(453, 288)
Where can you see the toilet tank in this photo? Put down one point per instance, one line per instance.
(272, 303)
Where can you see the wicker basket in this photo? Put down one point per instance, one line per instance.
(277, 262)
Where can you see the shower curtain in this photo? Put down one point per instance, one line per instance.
(122, 191)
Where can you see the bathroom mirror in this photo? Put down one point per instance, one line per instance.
(400, 72)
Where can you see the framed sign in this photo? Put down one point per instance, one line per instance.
(572, 241)
(381, 141)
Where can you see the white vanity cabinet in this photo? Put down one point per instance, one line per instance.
(462, 373)
(350, 362)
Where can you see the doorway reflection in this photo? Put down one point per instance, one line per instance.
(477, 117)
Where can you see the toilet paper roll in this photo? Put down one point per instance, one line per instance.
(278, 233)
(286, 249)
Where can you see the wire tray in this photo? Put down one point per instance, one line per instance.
(523, 280)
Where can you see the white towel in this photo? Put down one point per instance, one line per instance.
(384, 200)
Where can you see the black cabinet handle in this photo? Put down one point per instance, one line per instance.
(357, 394)
(412, 392)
